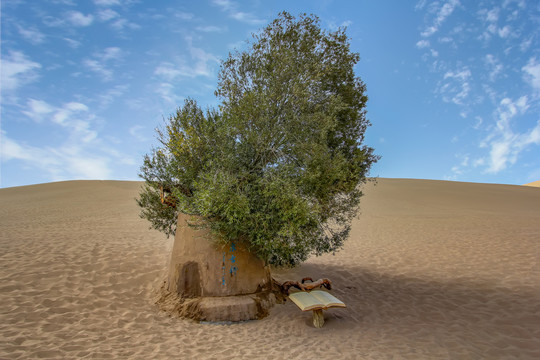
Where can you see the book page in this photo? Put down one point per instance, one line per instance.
(305, 301)
(327, 299)
(316, 299)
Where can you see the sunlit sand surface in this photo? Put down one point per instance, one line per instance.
(432, 270)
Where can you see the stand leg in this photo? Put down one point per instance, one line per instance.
(318, 318)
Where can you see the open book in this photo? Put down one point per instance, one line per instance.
(315, 300)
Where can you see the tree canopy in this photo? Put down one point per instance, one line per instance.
(278, 165)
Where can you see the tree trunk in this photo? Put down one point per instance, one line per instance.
(222, 283)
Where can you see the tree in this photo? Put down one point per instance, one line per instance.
(279, 164)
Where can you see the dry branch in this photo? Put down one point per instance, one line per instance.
(303, 286)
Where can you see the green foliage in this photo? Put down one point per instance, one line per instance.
(278, 167)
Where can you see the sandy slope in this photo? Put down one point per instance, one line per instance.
(534, 183)
(433, 270)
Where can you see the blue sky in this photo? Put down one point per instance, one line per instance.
(453, 86)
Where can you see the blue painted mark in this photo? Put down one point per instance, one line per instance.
(229, 262)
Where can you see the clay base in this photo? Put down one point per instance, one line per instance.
(217, 308)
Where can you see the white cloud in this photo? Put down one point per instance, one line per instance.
(119, 22)
(166, 92)
(99, 68)
(209, 28)
(77, 18)
(246, 17)
(111, 53)
(13, 150)
(525, 44)
(82, 154)
(122, 24)
(106, 2)
(505, 144)
(532, 73)
(202, 60)
(37, 109)
(52, 21)
(420, 5)
(67, 115)
(494, 65)
(99, 64)
(31, 34)
(226, 5)
(107, 97)
(183, 15)
(504, 32)
(72, 43)
(231, 8)
(200, 64)
(168, 71)
(492, 15)
(136, 132)
(107, 14)
(422, 44)
(479, 162)
(478, 123)
(456, 87)
(60, 163)
(17, 70)
(444, 12)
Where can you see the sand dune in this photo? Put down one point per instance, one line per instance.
(534, 183)
(433, 270)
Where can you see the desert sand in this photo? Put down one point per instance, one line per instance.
(432, 270)
(534, 183)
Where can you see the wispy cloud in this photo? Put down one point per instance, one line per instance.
(445, 11)
(504, 143)
(169, 71)
(107, 2)
(183, 15)
(37, 109)
(72, 43)
(110, 53)
(494, 65)
(71, 159)
(99, 64)
(107, 14)
(210, 28)
(17, 70)
(107, 97)
(77, 18)
(82, 154)
(60, 163)
(167, 93)
(136, 131)
(122, 24)
(199, 63)
(422, 44)
(532, 73)
(231, 8)
(72, 115)
(31, 34)
(456, 86)
(115, 20)
(99, 68)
